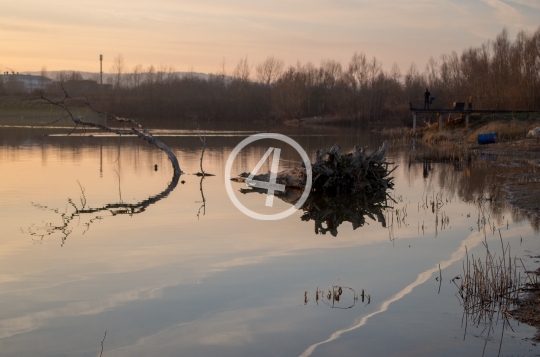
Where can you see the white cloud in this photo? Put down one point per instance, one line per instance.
(535, 4)
(505, 13)
(218, 330)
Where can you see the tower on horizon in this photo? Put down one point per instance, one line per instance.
(101, 69)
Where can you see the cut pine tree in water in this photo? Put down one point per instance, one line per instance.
(336, 173)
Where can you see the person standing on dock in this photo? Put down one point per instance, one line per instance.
(427, 96)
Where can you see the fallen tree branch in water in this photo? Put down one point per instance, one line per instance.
(67, 218)
(137, 129)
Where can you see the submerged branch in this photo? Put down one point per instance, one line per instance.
(137, 129)
(68, 219)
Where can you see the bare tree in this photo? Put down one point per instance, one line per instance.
(118, 69)
(329, 75)
(135, 77)
(150, 75)
(242, 70)
(270, 70)
(61, 76)
(222, 73)
(75, 76)
(288, 94)
(414, 85)
(395, 73)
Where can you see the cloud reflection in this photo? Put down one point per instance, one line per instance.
(472, 241)
(31, 322)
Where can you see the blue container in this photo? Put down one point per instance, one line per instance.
(487, 138)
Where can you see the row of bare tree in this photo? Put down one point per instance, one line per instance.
(500, 74)
(360, 91)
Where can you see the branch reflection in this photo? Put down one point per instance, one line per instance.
(73, 213)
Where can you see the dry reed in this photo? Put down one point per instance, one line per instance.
(493, 287)
(490, 285)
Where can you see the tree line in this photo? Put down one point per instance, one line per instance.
(499, 74)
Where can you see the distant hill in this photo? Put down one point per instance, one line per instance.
(106, 76)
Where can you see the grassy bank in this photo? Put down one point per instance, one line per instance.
(29, 113)
(507, 127)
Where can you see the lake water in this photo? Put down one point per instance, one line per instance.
(191, 275)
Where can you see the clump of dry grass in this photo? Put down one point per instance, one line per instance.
(399, 131)
(292, 122)
(489, 285)
(437, 137)
(493, 289)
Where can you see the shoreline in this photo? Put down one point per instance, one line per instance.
(511, 149)
(524, 193)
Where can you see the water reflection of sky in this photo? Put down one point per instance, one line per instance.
(166, 282)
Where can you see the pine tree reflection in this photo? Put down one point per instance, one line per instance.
(329, 211)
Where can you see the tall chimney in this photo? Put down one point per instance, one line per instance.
(101, 69)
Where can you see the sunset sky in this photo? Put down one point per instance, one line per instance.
(198, 35)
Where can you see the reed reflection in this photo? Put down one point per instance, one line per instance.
(476, 176)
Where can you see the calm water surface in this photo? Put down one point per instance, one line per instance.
(190, 275)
